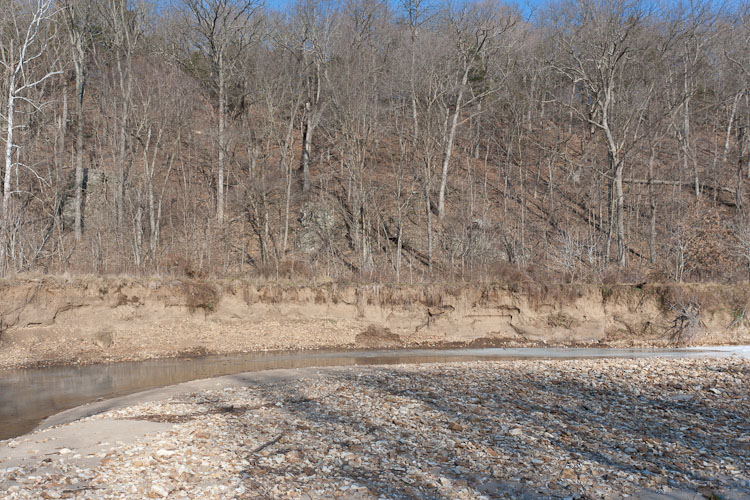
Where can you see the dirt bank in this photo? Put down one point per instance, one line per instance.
(88, 320)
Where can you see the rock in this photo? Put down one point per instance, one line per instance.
(159, 490)
(104, 339)
(707, 492)
(569, 474)
(319, 226)
(681, 397)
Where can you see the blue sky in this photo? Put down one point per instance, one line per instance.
(528, 7)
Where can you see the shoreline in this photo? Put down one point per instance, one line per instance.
(482, 343)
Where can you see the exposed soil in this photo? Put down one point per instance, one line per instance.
(51, 320)
(377, 337)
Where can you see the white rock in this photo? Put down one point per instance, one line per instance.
(159, 490)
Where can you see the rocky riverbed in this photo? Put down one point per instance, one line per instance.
(648, 428)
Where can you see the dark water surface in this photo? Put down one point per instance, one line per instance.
(29, 396)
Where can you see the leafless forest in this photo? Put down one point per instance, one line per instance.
(406, 141)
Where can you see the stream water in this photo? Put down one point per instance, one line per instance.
(28, 396)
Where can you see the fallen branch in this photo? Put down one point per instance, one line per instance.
(662, 182)
(267, 444)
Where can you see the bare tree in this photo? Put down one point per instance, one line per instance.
(476, 31)
(355, 84)
(158, 115)
(78, 16)
(310, 42)
(602, 49)
(24, 43)
(220, 31)
(124, 22)
(418, 12)
(691, 56)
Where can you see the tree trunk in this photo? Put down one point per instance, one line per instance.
(80, 90)
(8, 154)
(448, 151)
(610, 216)
(687, 147)
(60, 156)
(286, 161)
(617, 200)
(5, 233)
(266, 231)
(307, 130)
(125, 87)
(415, 118)
(152, 216)
(138, 231)
(652, 207)
(743, 139)
(428, 207)
(222, 144)
(399, 245)
(620, 208)
(153, 232)
(740, 166)
(414, 115)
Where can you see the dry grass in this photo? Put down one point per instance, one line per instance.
(199, 295)
(378, 336)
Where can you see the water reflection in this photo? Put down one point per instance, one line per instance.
(28, 396)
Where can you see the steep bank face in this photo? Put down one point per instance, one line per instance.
(54, 320)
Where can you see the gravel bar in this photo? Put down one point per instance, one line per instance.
(536, 429)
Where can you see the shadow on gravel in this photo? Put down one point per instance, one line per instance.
(522, 417)
(616, 427)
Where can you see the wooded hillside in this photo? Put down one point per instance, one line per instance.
(407, 141)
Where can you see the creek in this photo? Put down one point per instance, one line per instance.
(28, 396)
